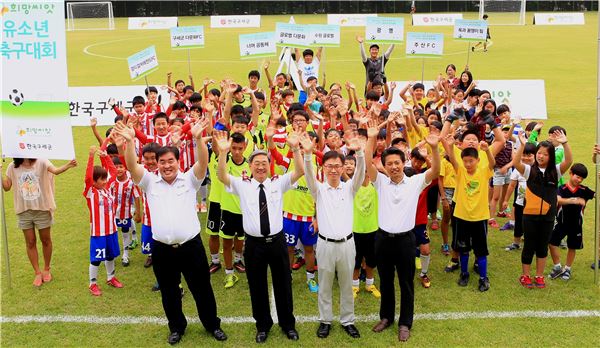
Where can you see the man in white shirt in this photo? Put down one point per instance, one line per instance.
(261, 201)
(335, 247)
(178, 248)
(395, 243)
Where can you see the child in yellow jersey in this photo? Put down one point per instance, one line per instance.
(471, 211)
(232, 231)
(213, 220)
(447, 185)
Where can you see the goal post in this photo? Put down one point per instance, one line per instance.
(503, 12)
(90, 16)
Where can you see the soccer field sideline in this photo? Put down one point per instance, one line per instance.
(99, 320)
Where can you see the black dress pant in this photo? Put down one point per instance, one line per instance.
(189, 259)
(396, 254)
(260, 253)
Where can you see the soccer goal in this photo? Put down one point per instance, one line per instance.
(90, 16)
(503, 12)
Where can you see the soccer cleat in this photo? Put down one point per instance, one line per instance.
(313, 286)
(230, 280)
(155, 287)
(566, 275)
(507, 226)
(525, 280)
(512, 246)
(540, 283)
(493, 223)
(435, 225)
(95, 290)
(214, 267)
(451, 266)
(125, 261)
(203, 207)
(300, 261)
(445, 249)
(556, 272)
(355, 291)
(148, 262)
(239, 266)
(484, 284)
(463, 280)
(418, 263)
(114, 282)
(501, 214)
(373, 290)
(134, 243)
(425, 281)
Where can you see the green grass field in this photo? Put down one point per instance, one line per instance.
(565, 57)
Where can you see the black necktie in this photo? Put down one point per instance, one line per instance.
(265, 228)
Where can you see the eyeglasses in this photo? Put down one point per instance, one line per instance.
(299, 121)
(333, 166)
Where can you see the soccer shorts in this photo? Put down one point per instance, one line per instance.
(123, 224)
(213, 220)
(295, 230)
(104, 247)
(365, 247)
(232, 225)
(574, 234)
(147, 241)
(470, 235)
(421, 234)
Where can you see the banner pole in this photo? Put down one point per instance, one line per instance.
(5, 239)
(468, 52)
(146, 79)
(189, 63)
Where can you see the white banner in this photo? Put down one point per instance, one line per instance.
(387, 30)
(137, 23)
(424, 45)
(435, 19)
(187, 37)
(470, 30)
(87, 102)
(324, 35)
(349, 20)
(525, 98)
(257, 45)
(249, 21)
(142, 63)
(34, 102)
(559, 18)
(292, 35)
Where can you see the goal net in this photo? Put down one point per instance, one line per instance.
(90, 16)
(503, 12)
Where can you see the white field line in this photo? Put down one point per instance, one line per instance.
(91, 319)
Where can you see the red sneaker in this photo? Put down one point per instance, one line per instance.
(298, 264)
(493, 223)
(540, 283)
(114, 282)
(95, 290)
(526, 281)
(435, 225)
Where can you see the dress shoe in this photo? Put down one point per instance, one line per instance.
(292, 334)
(323, 330)
(219, 335)
(174, 338)
(382, 325)
(352, 331)
(403, 333)
(261, 337)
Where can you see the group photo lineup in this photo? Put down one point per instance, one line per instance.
(305, 173)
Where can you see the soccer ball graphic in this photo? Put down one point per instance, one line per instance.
(16, 97)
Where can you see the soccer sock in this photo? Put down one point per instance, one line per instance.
(126, 242)
(567, 268)
(110, 269)
(464, 262)
(238, 257)
(93, 274)
(370, 281)
(482, 262)
(425, 263)
(557, 266)
(215, 258)
(310, 275)
(356, 283)
(228, 271)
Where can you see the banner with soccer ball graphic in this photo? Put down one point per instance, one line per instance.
(34, 102)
